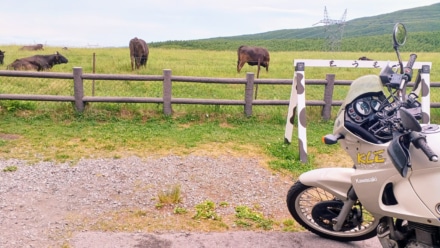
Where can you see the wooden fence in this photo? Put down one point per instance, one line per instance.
(80, 100)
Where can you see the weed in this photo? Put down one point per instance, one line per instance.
(180, 210)
(289, 226)
(168, 197)
(11, 168)
(206, 210)
(247, 217)
(223, 204)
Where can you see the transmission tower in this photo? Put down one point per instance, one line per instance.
(333, 31)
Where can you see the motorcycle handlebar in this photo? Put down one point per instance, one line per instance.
(408, 68)
(419, 141)
(411, 61)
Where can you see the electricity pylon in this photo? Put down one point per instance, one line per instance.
(333, 31)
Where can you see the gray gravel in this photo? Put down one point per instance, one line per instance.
(37, 201)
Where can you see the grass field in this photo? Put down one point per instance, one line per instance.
(51, 131)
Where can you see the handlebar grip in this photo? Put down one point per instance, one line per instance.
(419, 141)
(411, 61)
(408, 68)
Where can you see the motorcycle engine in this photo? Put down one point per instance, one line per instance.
(423, 236)
(409, 235)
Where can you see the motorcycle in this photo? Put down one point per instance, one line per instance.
(391, 191)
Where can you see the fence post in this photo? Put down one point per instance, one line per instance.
(167, 87)
(328, 96)
(248, 94)
(78, 89)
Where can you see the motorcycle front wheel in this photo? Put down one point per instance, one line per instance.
(314, 208)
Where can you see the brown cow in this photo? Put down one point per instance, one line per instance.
(33, 47)
(38, 62)
(138, 53)
(2, 56)
(253, 56)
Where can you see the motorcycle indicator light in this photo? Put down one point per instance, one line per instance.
(331, 139)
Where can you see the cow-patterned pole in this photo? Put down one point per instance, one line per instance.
(302, 123)
(297, 100)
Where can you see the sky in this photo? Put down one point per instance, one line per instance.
(110, 23)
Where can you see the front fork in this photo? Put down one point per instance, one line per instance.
(345, 211)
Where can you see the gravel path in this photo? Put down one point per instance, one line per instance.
(40, 204)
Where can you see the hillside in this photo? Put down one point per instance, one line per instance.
(362, 34)
(421, 19)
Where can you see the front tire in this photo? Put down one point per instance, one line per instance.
(314, 208)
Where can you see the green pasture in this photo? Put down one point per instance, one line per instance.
(52, 131)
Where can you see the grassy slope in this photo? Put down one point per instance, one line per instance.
(365, 34)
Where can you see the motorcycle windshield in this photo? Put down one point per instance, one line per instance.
(362, 85)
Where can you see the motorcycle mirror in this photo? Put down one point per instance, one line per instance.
(399, 38)
(409, 121)
(399, 34)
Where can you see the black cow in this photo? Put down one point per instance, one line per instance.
(33, 47)
(2, 56)
(364, 58)
(253, 56)
(38, 62)
(138, 53)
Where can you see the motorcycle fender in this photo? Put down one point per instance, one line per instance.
(334, 180)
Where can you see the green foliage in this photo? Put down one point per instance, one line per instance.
(289, 226)
(180, 210)
(287, 159)
(247, 217)
(418, 42)
(206, 210)
(11, 168)
(13, 105)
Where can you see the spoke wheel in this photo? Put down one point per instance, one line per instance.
(314, 208)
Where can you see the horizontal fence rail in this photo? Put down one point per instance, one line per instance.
(80, 100)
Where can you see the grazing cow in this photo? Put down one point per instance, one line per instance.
(138, 53)
(38, 62)
(2, 56)
(33, 47)
(364, 58)
(253, 56)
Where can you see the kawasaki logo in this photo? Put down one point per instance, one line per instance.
(366, 180)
